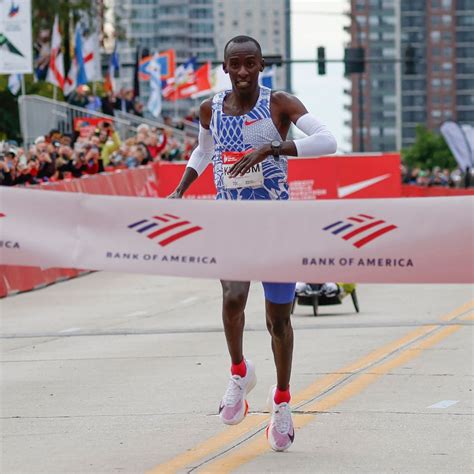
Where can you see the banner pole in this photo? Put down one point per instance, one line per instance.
(23, 85)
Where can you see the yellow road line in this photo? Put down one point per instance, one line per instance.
(232, 434)
(260, 445)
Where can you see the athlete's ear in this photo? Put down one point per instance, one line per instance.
(225, 68)
(262, 67)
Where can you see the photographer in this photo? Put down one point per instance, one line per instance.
(7, 171)
(109, 142)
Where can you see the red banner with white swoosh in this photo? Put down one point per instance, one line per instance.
(333, 177)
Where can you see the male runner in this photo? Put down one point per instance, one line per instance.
(243, 132)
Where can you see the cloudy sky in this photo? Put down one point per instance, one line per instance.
(322, 95)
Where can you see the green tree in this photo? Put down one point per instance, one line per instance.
(428, 151)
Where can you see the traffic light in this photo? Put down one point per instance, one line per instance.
(354, 60)
(271, 59)
(409, 61)
(321, 61)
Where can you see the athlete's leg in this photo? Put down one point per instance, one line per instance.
(234, 294)
(281, 331)
(278, 300)
(234, 406)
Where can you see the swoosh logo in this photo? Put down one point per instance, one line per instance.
(344, 191)
(250, 122)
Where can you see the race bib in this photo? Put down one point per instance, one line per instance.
(253, 178)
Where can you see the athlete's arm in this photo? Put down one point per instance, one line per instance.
(201, 155)
(287, 109)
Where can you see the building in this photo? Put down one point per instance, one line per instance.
(394, 101)
(268, 21)
(200, 28)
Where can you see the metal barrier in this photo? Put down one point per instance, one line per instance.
(39, 115)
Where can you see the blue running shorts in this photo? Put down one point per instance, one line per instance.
(279, 293)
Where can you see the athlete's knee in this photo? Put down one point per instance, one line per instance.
(234, 301)
(279, 326)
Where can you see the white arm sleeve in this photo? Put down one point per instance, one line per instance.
(202, 154)
(320, 141)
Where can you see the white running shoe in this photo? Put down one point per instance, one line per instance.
(280, 431)
(234, 406)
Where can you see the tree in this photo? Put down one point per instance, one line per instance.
(428, 151)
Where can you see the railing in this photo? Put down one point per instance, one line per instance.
(39, 115)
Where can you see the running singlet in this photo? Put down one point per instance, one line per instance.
(233, 136)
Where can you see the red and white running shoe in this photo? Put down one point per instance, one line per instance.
(280, 431)
(234, 406)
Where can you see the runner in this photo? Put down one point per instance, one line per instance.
(243, 133)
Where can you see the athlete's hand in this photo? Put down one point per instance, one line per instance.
(246, 163)
(175, 195)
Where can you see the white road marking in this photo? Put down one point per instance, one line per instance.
(192, 299)
(64, 331)
(444, 404)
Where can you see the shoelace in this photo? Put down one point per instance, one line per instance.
(233, 392)
(282, 418)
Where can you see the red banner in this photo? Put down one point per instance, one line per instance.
(332, 177)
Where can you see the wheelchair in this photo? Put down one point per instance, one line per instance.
(315, 295)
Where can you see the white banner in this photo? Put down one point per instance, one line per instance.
(16, 49)
(417, 240)
(458, 144)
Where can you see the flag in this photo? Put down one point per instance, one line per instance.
(167, 60)
(202, 83)
(81, 75)
(114, 66)
(77, 73)
(55, 74)
(267, 77)
(155, 102)
(183, 78)
(220, 80)
(14, 83)
(91, 54)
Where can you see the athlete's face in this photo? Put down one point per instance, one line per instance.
(243, 63)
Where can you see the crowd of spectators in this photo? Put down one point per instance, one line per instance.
(90, 150)
(124, 101)
(433, 177)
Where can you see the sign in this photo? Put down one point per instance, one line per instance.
(361, 240)
(16, 53)
(345, 177)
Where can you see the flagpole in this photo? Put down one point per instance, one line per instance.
(55, 93)
(23, 85)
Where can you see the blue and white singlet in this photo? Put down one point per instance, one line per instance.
(239, 133)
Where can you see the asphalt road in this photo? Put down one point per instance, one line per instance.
(124, 373)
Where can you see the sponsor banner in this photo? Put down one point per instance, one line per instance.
(376, 241)
(334, 177)
(16, 51)
(412, 190)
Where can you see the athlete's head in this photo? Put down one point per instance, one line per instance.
(243, 62)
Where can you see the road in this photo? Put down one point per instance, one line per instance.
(124, 373)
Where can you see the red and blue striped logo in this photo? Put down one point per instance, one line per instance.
(360, 230)
(14, 10)
(165, 229)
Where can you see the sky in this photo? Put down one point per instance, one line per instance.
(322, 95)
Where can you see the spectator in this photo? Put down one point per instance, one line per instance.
(79, 97)
(109, 103)
(155, 146)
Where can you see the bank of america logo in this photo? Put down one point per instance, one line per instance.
(360, 230)
(165, 229)
(14, 10)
